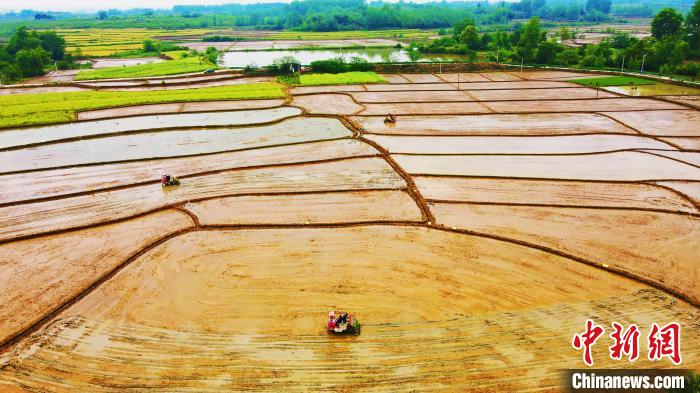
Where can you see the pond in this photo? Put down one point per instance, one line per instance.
(240, 59)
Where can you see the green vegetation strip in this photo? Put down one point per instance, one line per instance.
(612, 81)
(345, 78)
(33, 109)
(171, 67)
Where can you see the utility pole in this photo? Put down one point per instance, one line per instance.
(522, 62)
(623, 64)
(641, 70)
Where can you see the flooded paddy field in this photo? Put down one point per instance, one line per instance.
(504, 205)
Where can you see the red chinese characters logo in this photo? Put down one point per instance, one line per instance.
(626, 342)
(663, 342)
(586, 340)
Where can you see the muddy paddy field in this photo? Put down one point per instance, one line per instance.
(473, 238)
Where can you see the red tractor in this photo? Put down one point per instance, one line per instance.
(342, 323)
(169, 181)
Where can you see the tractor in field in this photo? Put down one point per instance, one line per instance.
(169, 181)
(343, 323)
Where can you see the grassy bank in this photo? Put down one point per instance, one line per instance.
(171, 67)
(612, 81)
(32, 109)
(346, 78)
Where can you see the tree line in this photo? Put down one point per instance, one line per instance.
(28, 53)
(335, 15)
(674, 40)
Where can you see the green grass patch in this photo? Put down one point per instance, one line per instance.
(32, 109)
(171, 67)
(345, 78)
(613, 81)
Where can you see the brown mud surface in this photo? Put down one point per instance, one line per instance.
(568, 144)
(58, 182)
(559, 193)
(465, 278)
(38, 275)
(414, 97)
(345, 207)
(497, 124)
(175, 143)
(42, 217)
(690, 143)
(463, 77)
(514, 85)
(690, 189)
(666, 123)
(394, 78)
(693, 101)
(619, 166)
(35, 135)
(427, 108)
(538, 94)
(536, 75)
(330, 104)
(422, 78)
(659, 247)
(179, 108)
(500, 76)
(592, 105)
(217, 298)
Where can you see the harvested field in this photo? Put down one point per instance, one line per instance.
(665, 123)
(693, 101)
(471, 245)
(619, 166)
(428, 108)
(549, 192)
(331, 104)
(518, 124)
(570, 144)
(537, 75)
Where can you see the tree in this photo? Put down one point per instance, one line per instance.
(102, 15)
(546, 52)
(598, 5)
(692, 26)
(460, 26)
(150, 46)
(666, 22)
(413, 54)
(31, 61)
(529, 39)
(470, 37)
(54, 44)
